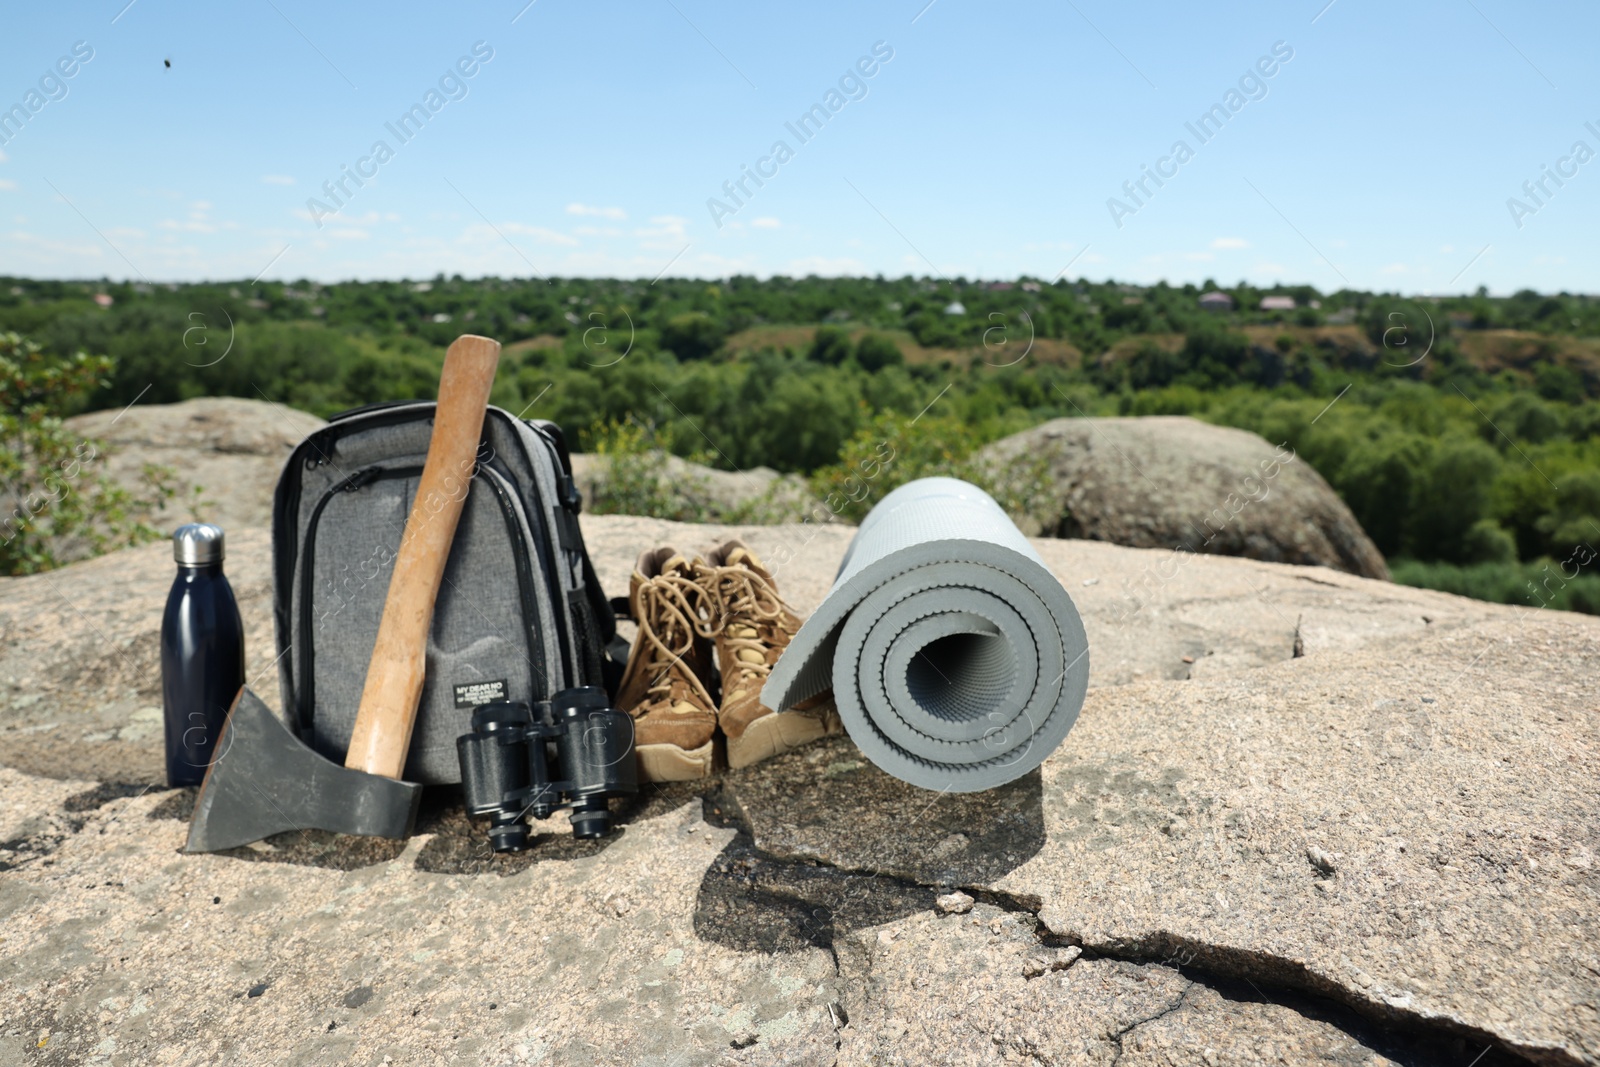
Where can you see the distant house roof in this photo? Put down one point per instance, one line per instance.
(1215, 299)
(1277, 303)
(104, 299)
(955, 307)
(999, 287)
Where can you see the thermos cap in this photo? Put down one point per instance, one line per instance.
(197, 544)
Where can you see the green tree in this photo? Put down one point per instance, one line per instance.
(830, 346)
(1450, 498)
(875, 352)
(57, 502)
(692, 335)
(1575, 519)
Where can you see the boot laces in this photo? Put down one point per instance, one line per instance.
(741, 596)
(668, 624)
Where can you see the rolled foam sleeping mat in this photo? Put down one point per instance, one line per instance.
(957, 660)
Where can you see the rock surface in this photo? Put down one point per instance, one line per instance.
(1165, 481)
(226, 453)
(695, 492)
(1152, 895)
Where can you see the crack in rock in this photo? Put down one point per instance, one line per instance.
(1221, 966)
(1117, 1038)
(837, 900)
(753, 899)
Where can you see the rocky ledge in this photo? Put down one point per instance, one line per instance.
(1305, 817)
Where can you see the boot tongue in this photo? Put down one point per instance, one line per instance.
(674, 564)
(646, 565)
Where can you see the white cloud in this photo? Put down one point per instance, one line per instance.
(7, 184)
(57, 248)
(349, 233)
(539, 233)
(663, 226)
(1393, 268)
(765, 222)
(1269, 268)
(276, 179)
(597, 231)
(1230, 242)
(347, 218)
(1199, 257)
(485, 234)
(199, 220)
(1447, 249)
(598, 212)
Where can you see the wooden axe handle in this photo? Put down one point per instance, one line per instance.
(394, 676)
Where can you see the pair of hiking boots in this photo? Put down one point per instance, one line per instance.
(689, 718)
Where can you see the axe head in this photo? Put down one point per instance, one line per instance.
(264, 780)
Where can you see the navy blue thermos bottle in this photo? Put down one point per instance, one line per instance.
(202, 653)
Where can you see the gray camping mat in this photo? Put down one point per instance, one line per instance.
(957, 660)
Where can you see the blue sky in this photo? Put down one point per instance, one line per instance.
(1381, 154)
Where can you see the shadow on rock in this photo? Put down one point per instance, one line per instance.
(750, 902)
(461, 846)
(830, 844)
(455, 845)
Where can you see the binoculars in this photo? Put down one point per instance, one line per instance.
(573, 751)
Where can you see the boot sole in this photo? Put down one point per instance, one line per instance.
(773, 734)
(669, 763)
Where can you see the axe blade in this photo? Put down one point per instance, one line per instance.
(265, 780)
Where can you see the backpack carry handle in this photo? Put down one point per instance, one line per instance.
(388, 709)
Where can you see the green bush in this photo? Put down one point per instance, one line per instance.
(1574, 520)
(692, 335)
(57, 505)
(895, 449)
(830, 346)
(1563, 585)
(875, 351)
(634, 480)
(1488, 542)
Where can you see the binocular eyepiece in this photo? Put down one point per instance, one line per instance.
(572, 751)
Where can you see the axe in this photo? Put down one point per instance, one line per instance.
(264, 779)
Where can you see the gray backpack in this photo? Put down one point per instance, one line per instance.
(520, 614)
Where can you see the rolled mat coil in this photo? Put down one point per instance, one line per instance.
(957, 660)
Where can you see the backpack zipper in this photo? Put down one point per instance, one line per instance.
(322, 443)
(305, 711)
(553, 562)
(530, 610)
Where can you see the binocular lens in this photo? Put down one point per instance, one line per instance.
(576, 751)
